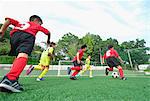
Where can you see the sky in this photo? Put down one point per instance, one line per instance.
(123, 20)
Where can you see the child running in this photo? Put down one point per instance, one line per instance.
(77, 63)
(111, 56)
(22, 39)
(45, 60)
(87, 66)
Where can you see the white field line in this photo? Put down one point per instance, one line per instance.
(33, 76)
(53, 67)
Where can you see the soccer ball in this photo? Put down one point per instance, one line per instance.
(115, 75)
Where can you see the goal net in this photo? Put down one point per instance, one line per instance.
(62, 67)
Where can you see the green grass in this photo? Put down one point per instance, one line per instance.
(98, 88)
(64, 72)
(85, 89)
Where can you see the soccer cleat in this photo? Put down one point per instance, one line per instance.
(73, 78)
(40, 79)
(78, 75)
(30, 69)
(106, 71)
(7, 85)
(90, 76)
(123, 78)
(68, 70)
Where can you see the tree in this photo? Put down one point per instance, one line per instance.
(137, 50)
(68, 42)
(5, 43)
(94, 43)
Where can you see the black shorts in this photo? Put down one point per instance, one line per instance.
(112, 62)
(21, 42)
(75, 63)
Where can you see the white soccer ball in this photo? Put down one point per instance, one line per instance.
(115, 75)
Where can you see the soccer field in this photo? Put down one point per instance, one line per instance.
(99, 88)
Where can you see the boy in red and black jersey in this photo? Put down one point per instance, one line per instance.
(22, 39)
(77, 63)
(111, 56)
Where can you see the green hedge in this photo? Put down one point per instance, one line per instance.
(31, 60)
(10, 59)
(6, 59)
(35, 61)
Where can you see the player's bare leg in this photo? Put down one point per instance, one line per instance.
(90, 72)
(44, 72)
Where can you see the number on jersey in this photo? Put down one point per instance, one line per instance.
(23, 26)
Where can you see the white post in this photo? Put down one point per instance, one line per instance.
(130, 59)
(100, 55)
(59, 67)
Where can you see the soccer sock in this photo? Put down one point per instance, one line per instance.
(75, 73)
(90, 73)
(76, 68)
(83, 71)
(110, 69)
(121, 72)
(43, 73)
(38, 67)
(17, 68)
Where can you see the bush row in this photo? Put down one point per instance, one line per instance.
(10, 59)
(35, 61)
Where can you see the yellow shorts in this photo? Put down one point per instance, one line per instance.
(45, 61)
(87, 67)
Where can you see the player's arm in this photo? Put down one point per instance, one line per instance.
(103, 59)
(48, 38)
(47, 32)
(86, 62)
(8, 21)
(78, 60)
(4, 27)
(117, 55)
(50, 55)
(120, 59)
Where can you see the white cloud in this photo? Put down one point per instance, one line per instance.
(106, 18)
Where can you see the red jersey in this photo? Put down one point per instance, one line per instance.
(111, 53)
(80, 55)
(29, 27)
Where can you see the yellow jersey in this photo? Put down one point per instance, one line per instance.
(47, 51)
(87, 63)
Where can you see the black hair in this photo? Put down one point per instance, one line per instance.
(35, 17)
(52, 43)
(83, 46)
(89, 54)
(110, 46)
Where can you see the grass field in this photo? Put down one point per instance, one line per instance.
(98, 88)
